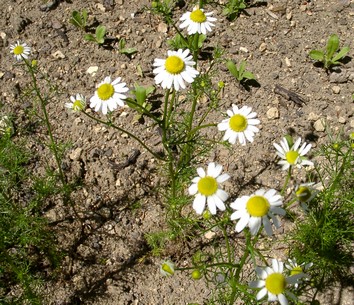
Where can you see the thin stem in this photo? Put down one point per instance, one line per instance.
(126, 132)
(286, 181)
(53, 144)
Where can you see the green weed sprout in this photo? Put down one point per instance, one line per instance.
(233, 8)
(140, 101)
(124, 50)
(79, 19)
(331, 56)
(163, 8)
(240, 72)
(99, 36)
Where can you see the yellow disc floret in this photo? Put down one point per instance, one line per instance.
(207, 186)
(296, 270)
(257, 206)
(303, 193)
(174, 64)
(291, 156)
(18, 50)
(198, 16)
(105, 91)
(238, 123)
(275, 283)
(78, 105)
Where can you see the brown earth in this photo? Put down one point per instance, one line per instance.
(108, 260)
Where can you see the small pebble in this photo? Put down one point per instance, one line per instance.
(162, 27)
(273, 113)
(263, 47)
(341, 120)
(243, 49)
(319, 125)
(336, 89)
(92, 70)
(312, 116)
(58, 55)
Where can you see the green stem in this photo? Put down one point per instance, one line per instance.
(126, 132)
(53, 144)
(286, 181)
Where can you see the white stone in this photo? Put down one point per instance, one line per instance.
(209, 234)
(287, 62)
(263, 47)
(273, 113)
(341, 120)
(75, 154)
(92, 70)
(58, 55)
(162, 27)
(336, 89)
(243, 49)
(319, 125)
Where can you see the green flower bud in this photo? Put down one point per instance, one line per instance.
(221, 84)
(196, 274)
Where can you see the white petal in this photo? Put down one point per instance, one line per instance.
(261, 293)
(282, 299)
(201, 172)
(222, 178)
(211, 204)
(256, 284)
(193, 189)
(242, 223)
(254, 224)
(199, 203)
(219, 203)
(267, 226)
(222, 195)
(275, 265)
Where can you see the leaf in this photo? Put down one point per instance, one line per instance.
(248, 75)
(100, 32)
(128, 51)
(76, 19)
(332, 46)
(150, 90)
(140, 94)
(341, 54)
(89, 37)
(241, 69)
(84, 17)
(201, 39)
(317, 55)
(232, 68)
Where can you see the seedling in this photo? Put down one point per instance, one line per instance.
(124, 50)
(99, 35)
(233, 8)
(239, 73)
(140, 102)
(79, 19)
(329, 57)
(179, 42)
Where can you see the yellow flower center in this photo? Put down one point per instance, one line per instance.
(174, 64)
(167, 268)
(18, 50)
(198, 16)
(291, 156)
(303, 193)
(78, 105)
(105, 91)
(257, 206)
(238, 123)
(207, 186)
(275, 283)
(296, 270)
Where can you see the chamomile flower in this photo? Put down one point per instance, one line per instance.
(197, 21)
(109, 95)
(274, 283)
(78, 103)
(255, 210)
(241, 125)
(167, 268)
(176, 69)
(292, 156)
(207, 189)
(294, 268)
(20, 50)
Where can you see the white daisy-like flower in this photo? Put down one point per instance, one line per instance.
(255, 210)
(109, 95)
(20, 50)
(167, 268)
(78, 103)
(292, 156)
(274, 283)
(241, 125)
(176, 69)
(294, 269)
(207, 189)
(197, 21)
